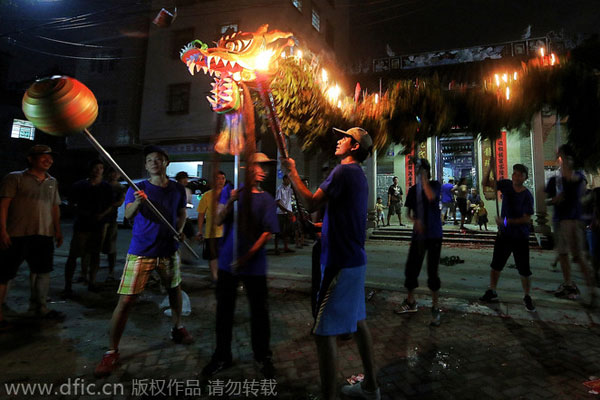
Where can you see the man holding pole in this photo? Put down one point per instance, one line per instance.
(153, 246)
(341, 298)
(513, 231)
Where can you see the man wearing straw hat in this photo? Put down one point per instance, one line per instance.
(257, 222)
(341, 298)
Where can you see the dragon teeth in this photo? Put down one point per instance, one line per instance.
(191, 68)
(205, 69)
(224, 62)
(226, 98)
(232, 63)
(198, 67)
(208, 60)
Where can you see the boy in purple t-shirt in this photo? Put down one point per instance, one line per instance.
(513, 231)
(152, 247)
(341, 297)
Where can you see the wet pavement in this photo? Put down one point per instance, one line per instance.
(479, 351)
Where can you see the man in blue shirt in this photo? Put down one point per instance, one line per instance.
(152, 247)
(448, 204)
(341, 297)
(424, 211)
(257, 223)
(513, 231)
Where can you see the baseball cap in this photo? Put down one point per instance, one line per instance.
(154, 149)
(38, 149)
(260, 158)
(360, 135)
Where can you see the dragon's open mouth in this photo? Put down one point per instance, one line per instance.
(232, 61)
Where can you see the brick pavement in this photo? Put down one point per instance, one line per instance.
(499, 352)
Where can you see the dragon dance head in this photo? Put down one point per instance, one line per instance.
(236, 58)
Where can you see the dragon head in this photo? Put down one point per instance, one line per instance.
(236, 58)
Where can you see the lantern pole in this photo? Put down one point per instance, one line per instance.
(152, 207)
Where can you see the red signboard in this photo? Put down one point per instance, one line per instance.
(501, 166)
(410, 166)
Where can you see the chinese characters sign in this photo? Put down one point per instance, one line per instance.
(501, 167)
(410, 166)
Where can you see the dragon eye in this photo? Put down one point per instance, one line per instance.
(230, 46)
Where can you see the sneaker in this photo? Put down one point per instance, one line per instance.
(436, 316)
(215, 366)
(356, 390)
(107, 365)
(407, 307)
(528, 303)
(267, 368)
(489, 296)
(181, 336)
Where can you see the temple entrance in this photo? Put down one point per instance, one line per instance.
(457, 158)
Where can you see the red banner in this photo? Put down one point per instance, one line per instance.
(410, 166)
(501, 166)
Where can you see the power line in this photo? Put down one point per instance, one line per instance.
(100, 58)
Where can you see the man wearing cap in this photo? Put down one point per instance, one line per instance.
(29, 226)
(256, 223)
(152, 247)
(341, 297)
(513, 231)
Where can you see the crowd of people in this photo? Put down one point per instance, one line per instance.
(235, 243)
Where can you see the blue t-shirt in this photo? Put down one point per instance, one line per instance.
(572, 190)
(345, 221)
(514, 205)
(431, 218)
(447, 192)
(151, 237)
(263, 218)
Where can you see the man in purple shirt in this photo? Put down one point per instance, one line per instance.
(152, 247)
(341, 298)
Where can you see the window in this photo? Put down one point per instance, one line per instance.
(329, 34)
(297, 4)
(316, 20)
(179, 99)
(228, 27)
(179, 39)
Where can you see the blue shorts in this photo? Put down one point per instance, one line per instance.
(341, 301)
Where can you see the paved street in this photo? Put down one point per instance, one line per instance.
(479, 352)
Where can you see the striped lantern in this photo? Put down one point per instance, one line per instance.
(60, 105)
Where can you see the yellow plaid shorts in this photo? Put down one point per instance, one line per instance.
(138, 269)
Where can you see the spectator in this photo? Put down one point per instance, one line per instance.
(395, 201)
(92, 201)
(207, 207)
(29, 227)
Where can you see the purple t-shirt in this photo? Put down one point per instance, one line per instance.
(432, 221)
(345, 221)
(572, 190)
(151, 237)
(514, 205)
(447, 192)
(263, 218)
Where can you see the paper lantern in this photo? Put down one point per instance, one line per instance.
(60, 105)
